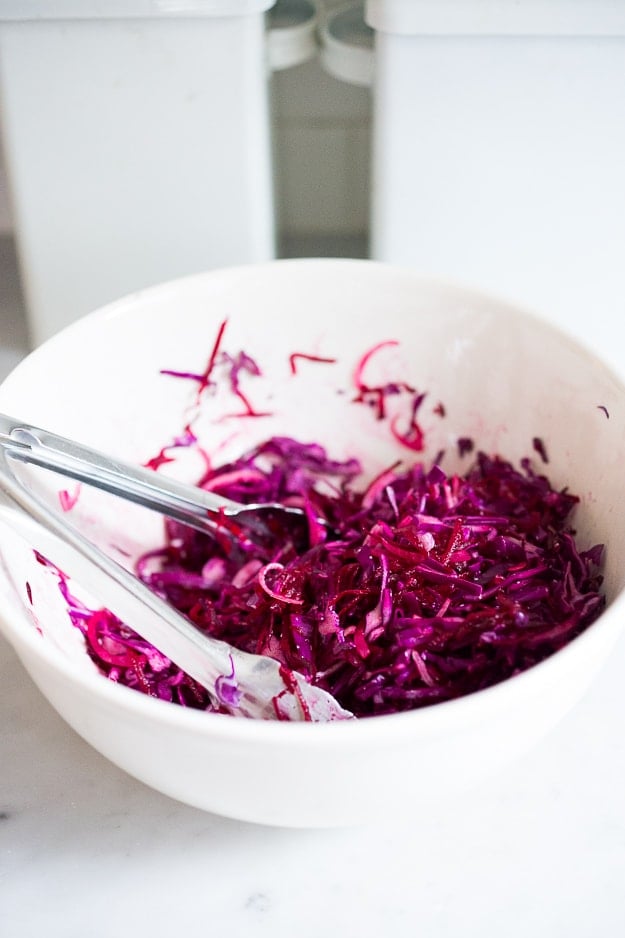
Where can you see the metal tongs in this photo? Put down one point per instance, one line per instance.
(258, 686)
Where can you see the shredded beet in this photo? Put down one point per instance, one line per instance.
(375, 395)
(297, 356)
(465, 445)
(540, 448)
(68, 499)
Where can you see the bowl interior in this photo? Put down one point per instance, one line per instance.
(490, 372)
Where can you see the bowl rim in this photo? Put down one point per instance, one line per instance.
(424, 722)
(453, 714)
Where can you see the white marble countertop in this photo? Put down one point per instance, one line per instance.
(87, 851)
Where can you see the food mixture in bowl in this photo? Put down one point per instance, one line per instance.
(421, 585)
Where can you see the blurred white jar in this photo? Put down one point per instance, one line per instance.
(137, 144)
(499, 151)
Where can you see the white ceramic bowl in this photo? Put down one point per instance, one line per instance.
(504, 378)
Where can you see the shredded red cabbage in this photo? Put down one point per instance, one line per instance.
(422, 588)
(419, 588)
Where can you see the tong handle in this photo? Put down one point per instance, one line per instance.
(191, 505)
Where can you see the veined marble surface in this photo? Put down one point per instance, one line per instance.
(86, 850)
